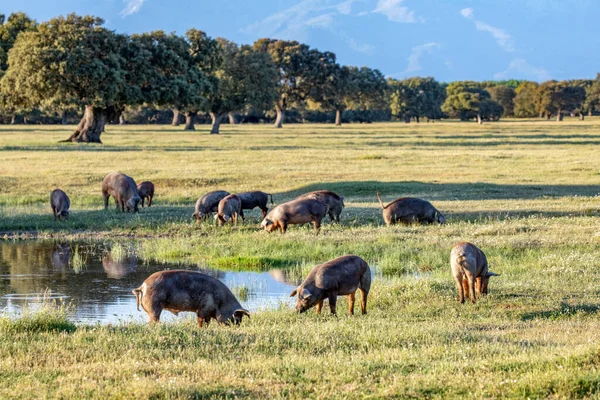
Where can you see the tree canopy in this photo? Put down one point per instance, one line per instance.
(467, 99)
(416, 97)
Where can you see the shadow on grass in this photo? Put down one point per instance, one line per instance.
(441, 191)
(565, 310)
(107, 148)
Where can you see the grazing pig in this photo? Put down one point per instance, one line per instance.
(146, 191)
(208, 203)
(330, 199)
(123, 189)
(470, 270)
(229, 208)
(338, 277)
(60, 203)
(299, 211)
(251, 200)
(191, 291)
(408, 210)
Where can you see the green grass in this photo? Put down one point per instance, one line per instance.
(526, 192)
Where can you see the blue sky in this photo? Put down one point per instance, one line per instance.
(449, 39)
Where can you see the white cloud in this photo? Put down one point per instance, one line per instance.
(295, 22)
(414, 60)
(395, 11)
(503, 39)
(132, 7)
(519, 68)
(467, 12)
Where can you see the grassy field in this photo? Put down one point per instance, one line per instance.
(523, 191)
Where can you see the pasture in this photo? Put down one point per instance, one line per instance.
(524, 191)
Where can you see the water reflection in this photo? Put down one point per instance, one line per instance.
(98, 283)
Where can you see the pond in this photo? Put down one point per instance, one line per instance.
(97, 286)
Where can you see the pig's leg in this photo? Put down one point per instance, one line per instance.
(106, 196)
(264, 211)
(317, 224)
(471, 287)
(363, 300)
(150, 201)
(54, 212)
(332, 302)
(459, 288)
(465, 283)
(319, 306)
(154, 314)
(478, 286)
(283, 227)
(235, 217)
(200, 320)
(242, 215)
(351, 298)
(143, 197)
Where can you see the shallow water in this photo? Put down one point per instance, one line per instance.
(98, 287)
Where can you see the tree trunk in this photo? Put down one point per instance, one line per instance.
(338, 117)
(216, 122)
(280, 117)
(190, 116)
(65, 117)
(417, 118)
(232, 119)
(581, 116)
(13, 119)
(176, 117)
(547, 116)
(559, 116)
(122, 120)
(590, 112)
(90, 127)
(25, 120)
(479, 120)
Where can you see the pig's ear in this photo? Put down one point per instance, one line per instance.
(294, 292)
(195, 215)
(305, 294)
(216, 217)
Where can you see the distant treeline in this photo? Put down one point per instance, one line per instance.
(73, 70)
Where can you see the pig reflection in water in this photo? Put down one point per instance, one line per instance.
(118, 268)
(61, 255)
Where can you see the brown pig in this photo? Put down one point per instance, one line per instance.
(208, 203)
(330, 199)
(60, 203)
(408, 210)
(338, 277)
(123, 189)
(470, 270)
(146, 191)
(191, 291)
(251, 200)
(299, 211)
(229, 208)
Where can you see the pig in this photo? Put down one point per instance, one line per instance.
(338, 277)
(146, 191)
(470, 271)
(229, 208)
(299, 211)
(251, 200)
(330, 199)
(181, 290)
(408, 210)
(208, 203)
(60, 203)
(123, 189)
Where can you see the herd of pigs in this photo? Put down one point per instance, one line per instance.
(209, 298)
